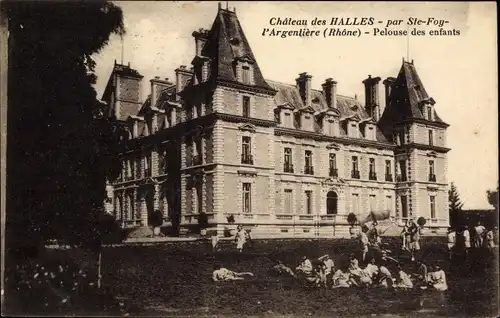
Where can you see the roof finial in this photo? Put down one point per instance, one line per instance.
(220, 6)
(227, 5)
(408, 44)
(121, 39)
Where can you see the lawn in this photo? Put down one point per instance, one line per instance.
(175, 279)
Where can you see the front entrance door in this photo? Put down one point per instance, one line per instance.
(331, 202)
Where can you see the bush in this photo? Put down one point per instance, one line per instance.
(202, 221)
(155, 218)
(352, 219)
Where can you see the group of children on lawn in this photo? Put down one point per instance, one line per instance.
(460, 241)
(371, 267)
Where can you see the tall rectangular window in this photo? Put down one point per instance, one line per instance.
(288, 120)
(147, 165)
(431, 137)
(333, 165)
(330, 128)
(246, 150)
(373, 203)
(309, 202)
(130, 169)
(288, 165)
(404, 206)
(433, 206)
(308, 168)
(288, 201)
(245, 74)
(355, 204)
(402, 169)
(246, 106)
(199, 199)
(355, 163)
(372, 175)
(247, 197)
(388, 204)
(402, 140)
(429, 113)
(355, 168)
(432, 175)
(130, 207)
(388, 170)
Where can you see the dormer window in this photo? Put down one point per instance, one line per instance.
(234, 41)
(330, 124)
(288, 121)
(149, 126)
(245, 74)
(371, 132)
(429, 113)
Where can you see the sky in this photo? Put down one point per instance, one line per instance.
(459, 72)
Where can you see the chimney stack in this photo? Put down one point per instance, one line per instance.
(182, 75)
(200, 38)
(371, 96)
(157, 85)
(304, 86)
(388, 87)
(330, 91)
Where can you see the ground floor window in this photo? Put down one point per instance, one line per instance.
(309, 207)
(404, 206)
(247, 197)
(433, 206)
(288, 201)
(331, 203)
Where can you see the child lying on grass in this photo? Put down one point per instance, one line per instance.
(224, 274)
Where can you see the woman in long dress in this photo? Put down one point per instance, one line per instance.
(241, 238)
(405, 236)
(437, 279)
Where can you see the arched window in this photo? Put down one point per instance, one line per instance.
(331, 203)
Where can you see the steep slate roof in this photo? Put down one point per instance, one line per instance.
(221, 48)
(347, 106)
(122, 70)
(406, 95)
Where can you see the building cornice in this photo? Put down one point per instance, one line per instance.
(241, 119)
(411, 146)
(279, 131)
(423, 121)
(252, 88)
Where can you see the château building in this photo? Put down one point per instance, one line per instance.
(282, 158)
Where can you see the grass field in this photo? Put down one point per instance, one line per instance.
(175, 279)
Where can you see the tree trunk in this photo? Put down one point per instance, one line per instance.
(99, 269)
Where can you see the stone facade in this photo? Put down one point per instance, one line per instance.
(283, 159)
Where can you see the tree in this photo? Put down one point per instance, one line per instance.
(492, 196)
(61, 147)
(455, 205)
(352, 219)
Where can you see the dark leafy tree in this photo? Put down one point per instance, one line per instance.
(492, 196)
(202, 221)
(455, 205)
(421, 221)
(61, 147)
